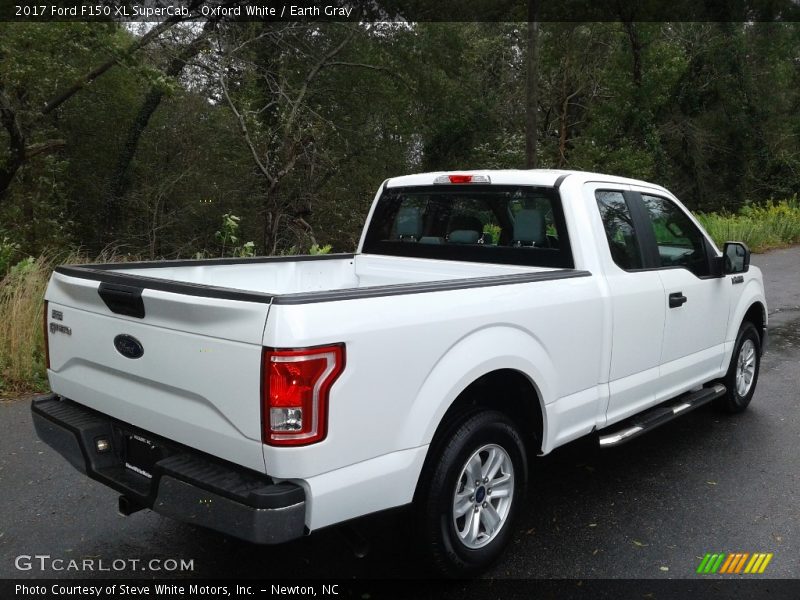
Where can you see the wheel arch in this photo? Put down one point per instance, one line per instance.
(750, 306)
(508, 391)
(517, 362)
(462, 383)
(756, 313)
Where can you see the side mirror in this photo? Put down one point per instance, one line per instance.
(736, 258)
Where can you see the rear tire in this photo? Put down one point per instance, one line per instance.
(470, 493)
(742, 376)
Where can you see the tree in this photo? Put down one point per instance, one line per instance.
(179, 57)
(532, 87)
(106, 137)
(11, 116)
(275, 79)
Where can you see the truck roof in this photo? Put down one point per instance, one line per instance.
(542, 177)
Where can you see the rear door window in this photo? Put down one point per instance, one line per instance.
(620, 231)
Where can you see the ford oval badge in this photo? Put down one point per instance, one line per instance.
(128, 346)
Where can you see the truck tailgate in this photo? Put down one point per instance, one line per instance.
(197, 380)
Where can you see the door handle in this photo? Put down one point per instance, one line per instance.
(676, 299)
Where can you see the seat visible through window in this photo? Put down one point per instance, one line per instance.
(409, 224)
(465, 229)
(529, 228)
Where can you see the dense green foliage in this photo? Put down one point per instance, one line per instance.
(291, 128)
(234, 139)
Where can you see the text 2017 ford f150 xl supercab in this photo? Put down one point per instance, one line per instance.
(487, 316)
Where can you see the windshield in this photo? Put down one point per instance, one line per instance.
(521, 225)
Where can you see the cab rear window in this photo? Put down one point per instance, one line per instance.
(479, 223)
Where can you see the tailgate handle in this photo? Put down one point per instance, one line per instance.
(123, 299)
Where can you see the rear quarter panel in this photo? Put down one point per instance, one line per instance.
(409, 356)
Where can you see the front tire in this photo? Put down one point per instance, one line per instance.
(742, 376)
(470, 493)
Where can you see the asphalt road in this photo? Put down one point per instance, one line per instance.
(649, 509)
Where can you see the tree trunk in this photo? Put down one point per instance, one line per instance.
(636, 52)
(17, 158)
(532, 89)
(637, 125)
(16, 143)
(562, 139)
(138, 44)
(121, 180)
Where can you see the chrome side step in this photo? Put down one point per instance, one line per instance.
(652, 418)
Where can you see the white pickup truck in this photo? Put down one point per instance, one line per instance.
(486, 317)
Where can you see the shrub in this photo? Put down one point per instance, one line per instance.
(317, 249)
(8, 250)
(761, 227)
(228, 238)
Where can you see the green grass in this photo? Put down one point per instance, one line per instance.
(21, 335)
(761, 227)
(22, 287)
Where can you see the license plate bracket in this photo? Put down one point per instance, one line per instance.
(141, 454)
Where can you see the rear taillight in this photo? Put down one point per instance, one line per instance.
(294, 394)
(46, 336)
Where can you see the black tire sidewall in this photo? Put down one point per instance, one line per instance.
(450, 556)
(735, 402)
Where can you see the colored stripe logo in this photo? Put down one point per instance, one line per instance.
(734, 563)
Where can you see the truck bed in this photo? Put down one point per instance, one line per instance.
(203, 325)
(258, 278)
